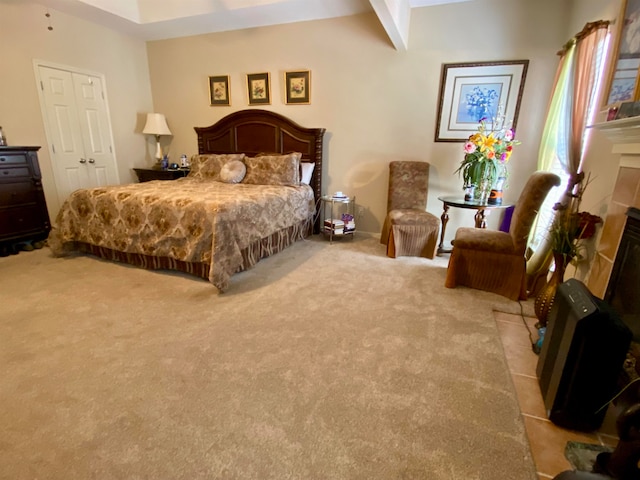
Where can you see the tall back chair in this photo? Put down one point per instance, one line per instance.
(492, 260)
(408, 228)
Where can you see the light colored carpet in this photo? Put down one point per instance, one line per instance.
(322, 362)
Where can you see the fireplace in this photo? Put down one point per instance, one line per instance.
(623, 290)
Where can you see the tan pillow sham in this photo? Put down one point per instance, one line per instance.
(273, 169)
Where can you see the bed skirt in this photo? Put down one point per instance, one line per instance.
(251, 255)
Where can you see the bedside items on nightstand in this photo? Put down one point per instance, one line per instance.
(148, 174)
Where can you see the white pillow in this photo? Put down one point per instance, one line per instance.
(307, 172)
(233, 172)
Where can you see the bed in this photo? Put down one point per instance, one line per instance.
(243, 200)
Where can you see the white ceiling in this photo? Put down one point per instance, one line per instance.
(161, 19)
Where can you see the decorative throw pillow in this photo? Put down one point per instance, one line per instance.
(209, 166)
(233, 172)
(273, 169)
(306, 172)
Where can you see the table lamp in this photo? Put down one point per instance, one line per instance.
(156, 125)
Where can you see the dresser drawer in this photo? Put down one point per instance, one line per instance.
(17, 193)
(13, 159)
(19, 220)
(14, 172)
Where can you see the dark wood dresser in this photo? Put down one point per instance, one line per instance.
(23, 209)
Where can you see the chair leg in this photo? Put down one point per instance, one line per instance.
(429, 250)
(391, 246)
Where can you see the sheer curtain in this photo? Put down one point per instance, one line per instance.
(571, 108)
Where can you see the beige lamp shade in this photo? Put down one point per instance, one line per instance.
(156, 125)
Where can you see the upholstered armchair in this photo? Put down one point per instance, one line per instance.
(492, 260)
(409, 230)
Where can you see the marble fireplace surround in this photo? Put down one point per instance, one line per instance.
(625, 136)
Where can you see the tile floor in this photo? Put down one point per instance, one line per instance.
(547, 440)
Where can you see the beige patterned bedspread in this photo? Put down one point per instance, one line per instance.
(191, 220)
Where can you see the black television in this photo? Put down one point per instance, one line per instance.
(581, 359)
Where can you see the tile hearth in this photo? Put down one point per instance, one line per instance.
(547, 440)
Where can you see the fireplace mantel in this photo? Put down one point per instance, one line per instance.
(623, 133)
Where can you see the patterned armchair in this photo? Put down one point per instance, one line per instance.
(492, 260)
(409, 230)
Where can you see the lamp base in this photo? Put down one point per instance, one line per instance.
(158, 149)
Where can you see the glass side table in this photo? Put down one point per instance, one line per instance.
(338, 216)
(482, 210)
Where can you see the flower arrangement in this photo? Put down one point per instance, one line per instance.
(481, 101)
(486, 153)
(297, 86)
(566, 234)
(219, 92)
(570, 225)
(258, 90)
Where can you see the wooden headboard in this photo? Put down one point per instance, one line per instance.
(260, 131)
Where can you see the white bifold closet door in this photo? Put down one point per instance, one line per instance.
(78, 129)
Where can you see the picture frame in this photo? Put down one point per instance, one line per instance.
(259, 88)
(219, 91)
(472, 91)
(624, 67)
(627, 110)
(297, 87)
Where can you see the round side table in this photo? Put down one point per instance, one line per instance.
(482, 209)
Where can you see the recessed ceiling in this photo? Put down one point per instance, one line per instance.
(160, 19)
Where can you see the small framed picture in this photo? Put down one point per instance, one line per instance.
(297, 87)
(259, 88)
(627, 110)
(219, 90)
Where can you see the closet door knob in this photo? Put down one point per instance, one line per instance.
(91, 160)
(83, 160)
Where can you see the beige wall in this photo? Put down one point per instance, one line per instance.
(75, 43)
(583, 11)
(376, 103)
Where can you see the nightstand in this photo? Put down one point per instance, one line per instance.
(338, 214)
(148, 174)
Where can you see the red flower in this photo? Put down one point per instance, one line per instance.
(587, 224)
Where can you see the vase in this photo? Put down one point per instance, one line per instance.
(495, 195)
(468, 192)
(545, 298)
(481, 192)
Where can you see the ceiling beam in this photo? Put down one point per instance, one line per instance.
(395, 16)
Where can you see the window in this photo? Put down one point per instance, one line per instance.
(554, 147)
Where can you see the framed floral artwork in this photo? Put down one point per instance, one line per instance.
(259, 88)
(471, 92)
(297, 87)
(622, 84)
(219, 93)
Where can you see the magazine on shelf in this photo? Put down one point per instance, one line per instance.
(335, 222)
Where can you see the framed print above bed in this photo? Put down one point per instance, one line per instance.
(219, 92)
(259, 88)
(470, 92)
(297, 87)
